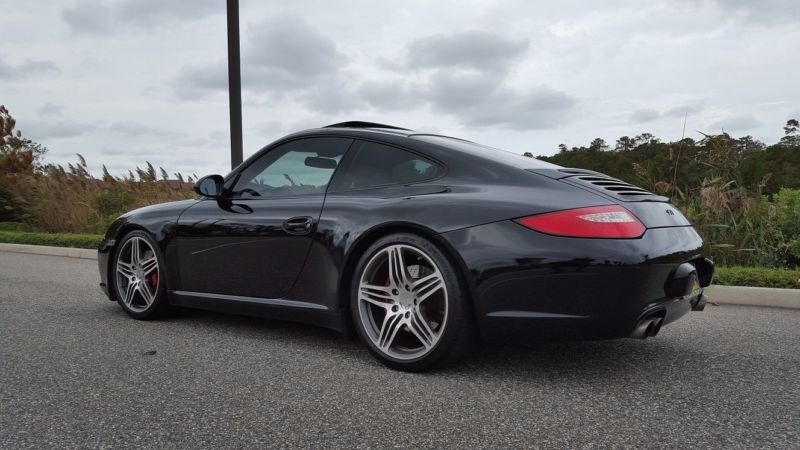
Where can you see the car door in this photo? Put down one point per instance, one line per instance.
(253, 242)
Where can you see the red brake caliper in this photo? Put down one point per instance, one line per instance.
(154, 279)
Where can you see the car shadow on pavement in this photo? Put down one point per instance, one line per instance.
(541, 359)
(601, 357)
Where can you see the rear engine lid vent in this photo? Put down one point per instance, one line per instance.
(598, 182)
(614, 185)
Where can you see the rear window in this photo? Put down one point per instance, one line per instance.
(496, 154)
(374, 165)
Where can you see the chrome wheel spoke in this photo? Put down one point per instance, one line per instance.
(135, 252)
(427, 286)
(129, 292)
(420, 329)
(144, 291)
(377, 295)
(391, 325)
(148, 265)
(125, 269)
(397, 268)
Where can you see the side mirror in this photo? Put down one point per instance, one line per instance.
(210, 186)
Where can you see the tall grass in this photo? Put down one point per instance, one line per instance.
(740, 226)
(69, 199)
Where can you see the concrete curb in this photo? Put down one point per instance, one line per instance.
(754, 296)
(727, 295)
(69, 252)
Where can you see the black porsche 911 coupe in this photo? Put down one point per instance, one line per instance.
(418, 242)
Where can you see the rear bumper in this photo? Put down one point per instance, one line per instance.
(528, 285)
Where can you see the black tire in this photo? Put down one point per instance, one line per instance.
(457, 333)
(159, 307)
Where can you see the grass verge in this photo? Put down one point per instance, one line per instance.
(757, 277)
(91, 241)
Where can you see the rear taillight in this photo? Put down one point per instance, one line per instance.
(610, 222)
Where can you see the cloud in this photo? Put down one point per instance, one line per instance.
(681, 111)
(103, 17)
(388, 95)
(466, 77)
(644, 115)
(761, 12)
(479, 100)
(465, 73)
(285, 48)
(479, 50)
(282, 53)
(149, 13)
(136, 129)
(58, 129)
(51, 109)
(9, 71)
(334, 96)
(198, 81)
(88, 17)
(737, 123)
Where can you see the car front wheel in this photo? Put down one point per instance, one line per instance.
(138, 275)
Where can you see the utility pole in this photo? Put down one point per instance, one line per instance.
(234, 83)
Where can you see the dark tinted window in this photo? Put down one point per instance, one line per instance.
(379, 165)
(304, 166)
(496, 154)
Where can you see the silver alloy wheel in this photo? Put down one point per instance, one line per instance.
(137, 276)
(402, 302)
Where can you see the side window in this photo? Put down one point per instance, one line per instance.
(300, 167)
(380, 165)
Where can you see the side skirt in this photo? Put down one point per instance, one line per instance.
(272, 308)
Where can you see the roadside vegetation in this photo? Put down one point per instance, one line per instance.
(757, 277)
(91, 241)
(56, 199)
(742, 195)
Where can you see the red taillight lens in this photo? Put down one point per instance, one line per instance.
(610, 222)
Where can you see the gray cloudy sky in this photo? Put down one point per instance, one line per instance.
(126, 81)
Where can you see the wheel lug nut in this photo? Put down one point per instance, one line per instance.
(395, 292)
(408, 288)
(408, 314)
(395, 308)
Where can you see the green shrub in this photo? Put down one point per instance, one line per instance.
(15, 226)
(757, 277)
(787, 212)
(91, 241)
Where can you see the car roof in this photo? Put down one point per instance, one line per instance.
(452, 144)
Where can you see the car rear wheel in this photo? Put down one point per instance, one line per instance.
(138, 275)
(409, 305)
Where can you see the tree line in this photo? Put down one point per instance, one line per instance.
(671, 168)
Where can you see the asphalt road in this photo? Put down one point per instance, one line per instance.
(76, 371)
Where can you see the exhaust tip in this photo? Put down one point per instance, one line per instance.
(642, 329)
(656, 327)
(647, 327)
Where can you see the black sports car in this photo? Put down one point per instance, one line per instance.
(418, 242)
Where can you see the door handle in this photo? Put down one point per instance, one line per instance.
(298, 225)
